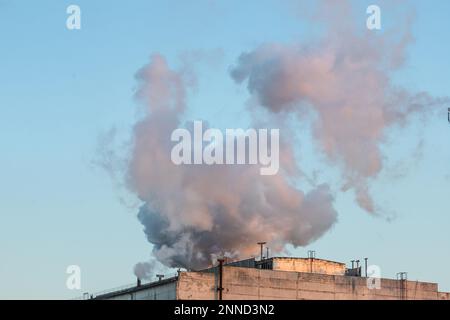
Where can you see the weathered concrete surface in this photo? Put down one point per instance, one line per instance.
(308, 265)
(261, 284)
(257, 284)
(196, 286)
(444, 295)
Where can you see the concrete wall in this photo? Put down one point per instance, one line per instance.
(242, 283)
(444, 295)
(308, 265)
(257, 284)
(196, 286)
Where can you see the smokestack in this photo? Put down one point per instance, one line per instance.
(365, 265)
(138, 282)
(262, 246)
(311, 256)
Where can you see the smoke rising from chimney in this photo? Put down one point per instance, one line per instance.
(191, 214)
(145, 270)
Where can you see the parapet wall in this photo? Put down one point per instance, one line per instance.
(308, 265)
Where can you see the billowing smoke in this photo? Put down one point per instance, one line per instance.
(148, 270)
(145, 270)
(192, 213)
(344, 84)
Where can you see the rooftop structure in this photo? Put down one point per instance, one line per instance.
(278, 278)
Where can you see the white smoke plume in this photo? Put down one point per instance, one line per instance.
(191, 213)
(145, 270)
(344, 80)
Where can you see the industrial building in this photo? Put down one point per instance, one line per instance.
(278, 278)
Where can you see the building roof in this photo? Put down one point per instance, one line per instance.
(133, 289)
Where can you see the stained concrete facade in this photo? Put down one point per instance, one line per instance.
(258, 284)
(310, 265)
(290, 279)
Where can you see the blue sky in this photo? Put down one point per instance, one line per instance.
(61, 90)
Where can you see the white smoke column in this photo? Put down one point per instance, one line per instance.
(345, 81)
(192, 212)
(145, 270)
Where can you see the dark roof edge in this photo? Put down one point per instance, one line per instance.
(135, 289)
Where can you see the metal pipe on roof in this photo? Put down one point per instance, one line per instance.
(262, 245)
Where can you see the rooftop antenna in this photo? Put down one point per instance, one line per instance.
(262, 246)
(311, 256)
(403, 277)
(160, 277)
(365, 262)
(357, 268)
(220, 287)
